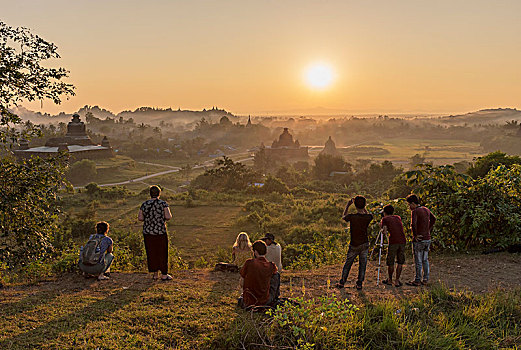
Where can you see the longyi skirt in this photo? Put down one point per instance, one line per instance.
(156, 247)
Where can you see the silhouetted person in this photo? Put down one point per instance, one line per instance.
(359, 245)
(393, 225)
(154, 212)
(422, 222)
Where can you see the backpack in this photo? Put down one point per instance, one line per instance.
(91, 253)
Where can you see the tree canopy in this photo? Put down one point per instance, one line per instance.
(22, 76)
(28, 188)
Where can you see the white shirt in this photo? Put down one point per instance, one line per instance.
(273, 254)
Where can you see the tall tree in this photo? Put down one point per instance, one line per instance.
(28, 188)
(22, 77)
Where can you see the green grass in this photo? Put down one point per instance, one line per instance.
(435, 319)
(197, 310)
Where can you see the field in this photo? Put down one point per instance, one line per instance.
(472, 302)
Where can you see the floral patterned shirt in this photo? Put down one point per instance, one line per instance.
(154, 214)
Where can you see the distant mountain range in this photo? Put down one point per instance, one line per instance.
(151, 115)
(485, 116)
(146, 115)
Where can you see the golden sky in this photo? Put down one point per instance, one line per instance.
(250, 57)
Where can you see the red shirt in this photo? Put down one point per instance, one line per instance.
(422, 222)
(257, 275)
(395, 227)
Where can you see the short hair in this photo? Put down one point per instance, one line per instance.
(412, 198)
(360, 202)
(389, 209)
(260, 247)
(155, 191)
(102, 227)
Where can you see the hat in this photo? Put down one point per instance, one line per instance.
(269, 236)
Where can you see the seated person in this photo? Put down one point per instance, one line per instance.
(274, 251)
(241, 250)
(261, 279)
(96, 256)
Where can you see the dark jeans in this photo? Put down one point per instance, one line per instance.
(421, 259)
(361, 251)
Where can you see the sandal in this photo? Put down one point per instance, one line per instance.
(387, 282)
(413, 283)
(398, 284)
(166, 278)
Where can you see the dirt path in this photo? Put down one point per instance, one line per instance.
(476, 273)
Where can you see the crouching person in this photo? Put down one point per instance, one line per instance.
(96, 256)
(261, 279)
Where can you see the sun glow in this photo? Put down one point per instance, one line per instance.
(319, 76)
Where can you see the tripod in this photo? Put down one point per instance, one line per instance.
(380, 243)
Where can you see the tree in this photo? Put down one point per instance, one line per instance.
(325, 164)
(82, 172)
(22, 77)
(28, 211)
(28, 188)
(415, 160)
(482, 165)
(228, 175)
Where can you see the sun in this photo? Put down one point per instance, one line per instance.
(319, 75)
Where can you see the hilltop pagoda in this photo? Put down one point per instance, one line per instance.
(76, 142)
(285, 149)
(330, 148)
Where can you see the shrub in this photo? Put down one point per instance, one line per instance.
(28, 209)
(472, 212)
(82, 171)
(273, 184)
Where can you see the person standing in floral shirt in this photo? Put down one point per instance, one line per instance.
(154, 213)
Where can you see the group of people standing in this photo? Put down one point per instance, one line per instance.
(260, 263)
(422, 222)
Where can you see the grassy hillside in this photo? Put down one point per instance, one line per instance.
(197, 310)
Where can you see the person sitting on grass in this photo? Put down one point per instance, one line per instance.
(422, 222)
(96, 256)
(241, 250)
(359, 245)
(393, 225)
(260, 279)
(274, 252)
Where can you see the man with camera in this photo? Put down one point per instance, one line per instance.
(359, 245)
(422, 222)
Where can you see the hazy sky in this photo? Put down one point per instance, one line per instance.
(251, 56)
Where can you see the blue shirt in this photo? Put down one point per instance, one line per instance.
(106, 242)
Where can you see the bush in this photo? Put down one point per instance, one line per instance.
(273, 184)
(82, 171)
(28, 209)
(472, 212)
